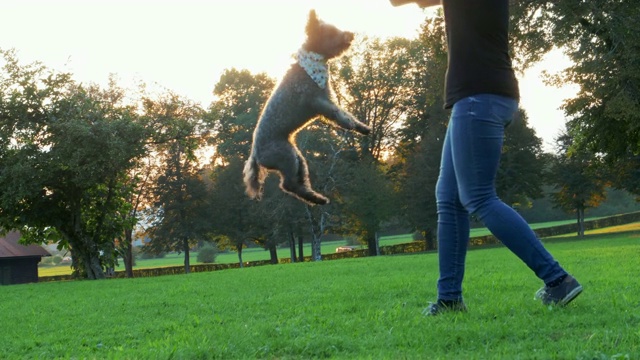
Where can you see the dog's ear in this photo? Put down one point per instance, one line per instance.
(312, 23)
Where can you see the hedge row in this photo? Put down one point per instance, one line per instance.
(567, 229)
(406, 248)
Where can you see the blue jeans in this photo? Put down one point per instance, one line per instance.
(466, 185)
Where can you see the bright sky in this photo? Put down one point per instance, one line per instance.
(184, 45)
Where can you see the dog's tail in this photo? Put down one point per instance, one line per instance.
(254, 176)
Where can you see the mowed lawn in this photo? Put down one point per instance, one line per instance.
(366, 308)
(227, 257)
(255, 254)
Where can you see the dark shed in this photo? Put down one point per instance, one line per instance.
(19, 263)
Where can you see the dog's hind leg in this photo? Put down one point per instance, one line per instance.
(294, 173)
(301, 185)
(254, 176)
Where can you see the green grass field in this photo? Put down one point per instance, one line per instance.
(254, 254)
(366, 308)
(249, 254)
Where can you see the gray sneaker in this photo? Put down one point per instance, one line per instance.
(562, 294)
(442, 306)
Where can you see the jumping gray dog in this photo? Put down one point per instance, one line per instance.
(303, 94)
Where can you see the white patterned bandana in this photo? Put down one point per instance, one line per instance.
(315, 65)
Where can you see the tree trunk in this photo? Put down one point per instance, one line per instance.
(127, 254)
(372, 244)
(429, 239)
(273, 251)
(240, 256)
(580, 214)
(317, 226)
(316, 254)
(86, 260)
(85, 253)
(92, 266)
(187, 265)
(300, 248)
(292, 246)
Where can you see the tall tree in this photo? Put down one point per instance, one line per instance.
(180, 193)
(142, 179)
(370, 81)
(367, 198)
(417, 160)
(578, 180)
(65, 152)
(625, 173)
(231, 213)
(596, 36)
(240, 97)
(521, 173)
(324, 150)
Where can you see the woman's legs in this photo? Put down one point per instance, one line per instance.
(470, 161)
(453, 228)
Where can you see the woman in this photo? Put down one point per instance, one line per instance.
(482, 92)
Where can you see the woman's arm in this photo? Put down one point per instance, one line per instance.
(421, 3)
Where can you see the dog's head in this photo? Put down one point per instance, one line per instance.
(326, 39)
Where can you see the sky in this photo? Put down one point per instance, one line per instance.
(185, 45)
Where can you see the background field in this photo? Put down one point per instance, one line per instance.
(254, 254)
(351, 309)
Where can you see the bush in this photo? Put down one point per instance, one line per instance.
(208, 253)
(56, 260)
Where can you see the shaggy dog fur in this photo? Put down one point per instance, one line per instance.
(303, 94)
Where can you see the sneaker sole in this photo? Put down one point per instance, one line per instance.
(570, 296)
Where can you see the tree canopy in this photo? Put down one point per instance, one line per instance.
(80, 163)
(599, 39)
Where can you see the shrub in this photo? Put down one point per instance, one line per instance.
(208, 253)
(56, 260)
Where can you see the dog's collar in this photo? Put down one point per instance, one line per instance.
(315, 65)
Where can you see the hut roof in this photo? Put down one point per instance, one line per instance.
(10, 247)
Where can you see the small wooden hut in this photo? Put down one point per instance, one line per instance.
(19, 263)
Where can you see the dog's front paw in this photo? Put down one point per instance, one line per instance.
(362, 128)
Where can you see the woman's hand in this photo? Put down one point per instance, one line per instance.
(420, 3)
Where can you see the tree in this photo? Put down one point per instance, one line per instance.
(180, 193)
(370, 82)
(417, 157)
(324, 150)
(577, 177)
(368, 198)
(596, 36)
(625, 174)
(64, 154)
(240, 96)
(231, 213)
(142, 178)
(521, 173)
